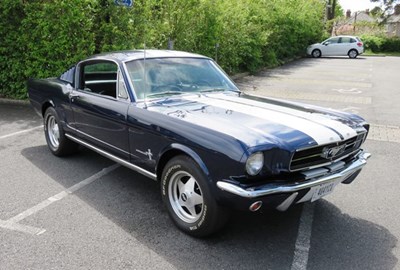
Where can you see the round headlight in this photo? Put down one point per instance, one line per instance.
(255, 163)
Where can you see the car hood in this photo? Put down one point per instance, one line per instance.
(261, 121)
(315, 44)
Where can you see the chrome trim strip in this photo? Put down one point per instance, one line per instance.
(100, 141)
(101, 81)
(327, 163)
(272, 188)
(337, 142)
(114, 158)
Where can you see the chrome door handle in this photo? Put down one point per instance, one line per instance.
(73, 96)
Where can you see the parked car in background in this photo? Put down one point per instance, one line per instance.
(178, 119)
(337, 46)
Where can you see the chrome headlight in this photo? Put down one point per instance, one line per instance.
(255, 163)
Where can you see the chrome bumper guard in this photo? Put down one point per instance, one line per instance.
(273, 188)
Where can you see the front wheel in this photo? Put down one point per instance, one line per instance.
(58, 144)
(353, 53)
(188, 199)
(316, 53)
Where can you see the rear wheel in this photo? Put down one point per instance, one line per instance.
(353, 54)
(188, 199)
(58, 144)
(316, 53)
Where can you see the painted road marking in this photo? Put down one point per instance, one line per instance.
(12, 223)
(384, 133)
(351, 109)
(302, 246)
(20, 132)
(348, 91)
(322, 82)
(21, 228)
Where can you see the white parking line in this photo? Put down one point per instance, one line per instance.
(12, 223)
(302, 246)
(20, 132)
(21, 228)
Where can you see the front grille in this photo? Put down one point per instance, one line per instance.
(326, 154)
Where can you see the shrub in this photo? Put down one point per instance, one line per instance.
(43, 38)
(391, 45)
(372, 43)
(381, 43)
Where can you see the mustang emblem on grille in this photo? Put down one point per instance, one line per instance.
(333, 151)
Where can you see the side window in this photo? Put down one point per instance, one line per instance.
(138, 78)
(122, 92)
(99, 77)
(332, 41)
(352, 40)
(345, 40)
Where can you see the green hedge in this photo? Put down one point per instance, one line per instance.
(379, 44)
(42, 38)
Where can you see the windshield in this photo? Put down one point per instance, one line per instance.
(154, 78)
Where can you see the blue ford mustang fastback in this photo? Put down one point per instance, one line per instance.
(177, 118)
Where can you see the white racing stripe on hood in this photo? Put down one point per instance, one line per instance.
(346, 131)
(319, 133)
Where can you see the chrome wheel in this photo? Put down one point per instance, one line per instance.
(53, 131)
(185, 196)
(58, 144)
(353, 54)
(316, 53)
(185, 191)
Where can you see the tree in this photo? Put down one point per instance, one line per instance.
(42, 38)
(331, 8)
(388, 5)
(376, 12)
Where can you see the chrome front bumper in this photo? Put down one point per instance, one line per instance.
(274, 188)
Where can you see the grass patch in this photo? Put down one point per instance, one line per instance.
(371, 53)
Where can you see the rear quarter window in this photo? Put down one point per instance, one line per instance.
(101, 67)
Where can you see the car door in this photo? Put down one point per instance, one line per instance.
(330, 46)
(344, 45)
(100, 103)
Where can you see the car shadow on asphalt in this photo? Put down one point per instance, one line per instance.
(21, 116)
(249, 241)
(340, 241)
(341, 58)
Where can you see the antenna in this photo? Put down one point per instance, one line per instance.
(144, 63)
(145, 74)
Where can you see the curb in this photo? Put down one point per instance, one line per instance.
(240, 75)
(373, 55)
(14, 101)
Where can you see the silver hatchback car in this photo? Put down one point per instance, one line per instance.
(337, 46)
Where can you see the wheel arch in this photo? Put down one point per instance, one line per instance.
(46, 105)
(353, 49)
(174, 150)
(316, 49)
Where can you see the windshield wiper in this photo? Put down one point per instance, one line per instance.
(213, 90)
(220, 90)
(165, 93)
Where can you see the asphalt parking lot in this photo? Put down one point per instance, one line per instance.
(85, 212)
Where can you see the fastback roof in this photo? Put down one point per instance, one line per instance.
(124, 56)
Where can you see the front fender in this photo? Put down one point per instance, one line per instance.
(173, 148)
